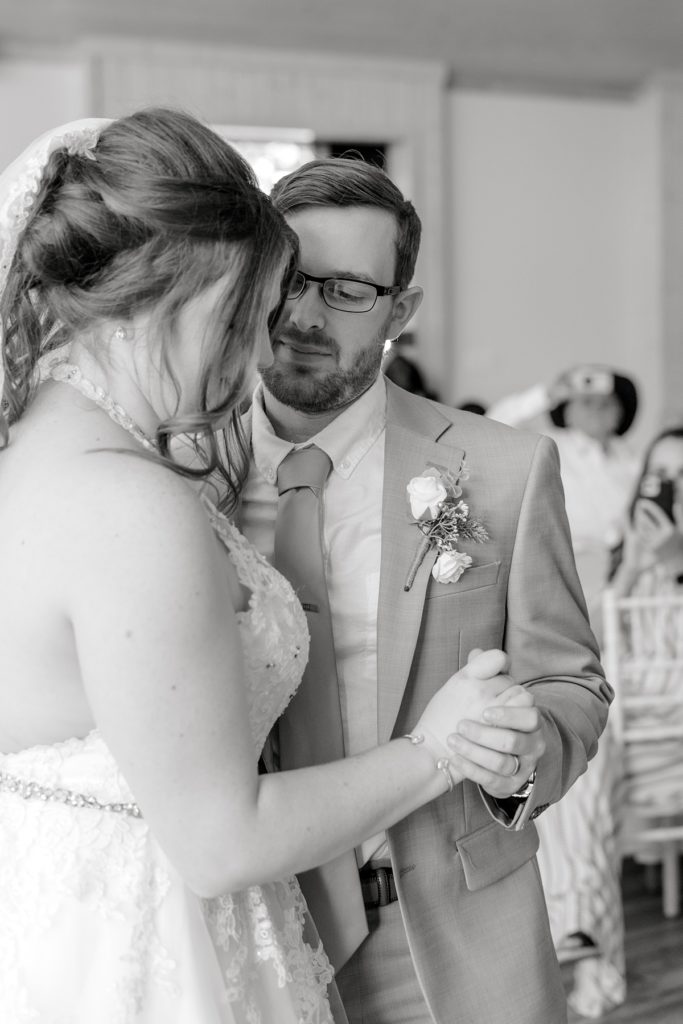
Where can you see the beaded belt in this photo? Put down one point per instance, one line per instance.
(33, 791)
(378, 886)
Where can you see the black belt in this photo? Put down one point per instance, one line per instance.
(378, 886)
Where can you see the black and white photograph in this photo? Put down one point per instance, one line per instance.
(341, 512)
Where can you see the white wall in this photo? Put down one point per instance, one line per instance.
(37, 93)
(554, 242)
(551, 215)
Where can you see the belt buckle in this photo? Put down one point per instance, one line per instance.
(383, 891)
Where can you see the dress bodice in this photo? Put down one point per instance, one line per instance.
(275, 641)
(273, 630)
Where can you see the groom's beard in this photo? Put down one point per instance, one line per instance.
(312, 391)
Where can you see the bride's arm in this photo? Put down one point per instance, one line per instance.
(149, 591)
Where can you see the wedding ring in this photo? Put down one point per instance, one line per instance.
(515, 771)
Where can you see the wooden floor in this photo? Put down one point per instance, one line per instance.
(654, 958)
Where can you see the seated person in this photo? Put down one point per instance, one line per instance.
(407, 374)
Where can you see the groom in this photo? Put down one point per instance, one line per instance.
(442, 919)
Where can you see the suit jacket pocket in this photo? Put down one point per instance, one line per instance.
(472, 579)
(492, 852)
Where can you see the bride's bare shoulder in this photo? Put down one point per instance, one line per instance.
(113, 491)
(104, 502)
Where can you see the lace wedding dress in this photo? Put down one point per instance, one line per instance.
(96, 926)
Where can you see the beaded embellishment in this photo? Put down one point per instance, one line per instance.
(68, 373)
(33, 791)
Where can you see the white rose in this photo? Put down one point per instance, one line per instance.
(426, 493)
(450, 565)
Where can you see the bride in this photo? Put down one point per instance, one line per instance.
(146, 868)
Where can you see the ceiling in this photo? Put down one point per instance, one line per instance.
(591, 46)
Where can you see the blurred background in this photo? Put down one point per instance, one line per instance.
(540, 140)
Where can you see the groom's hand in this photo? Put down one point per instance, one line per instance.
(500, 750)
(477, 686)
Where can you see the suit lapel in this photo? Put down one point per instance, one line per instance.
(411, 446)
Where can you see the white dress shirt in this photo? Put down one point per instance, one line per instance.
(352, 502)
(598, 484)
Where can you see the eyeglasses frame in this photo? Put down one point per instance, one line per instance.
(380, 290)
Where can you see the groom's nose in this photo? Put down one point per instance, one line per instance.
(308, 311)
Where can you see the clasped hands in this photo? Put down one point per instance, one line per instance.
(486, 725)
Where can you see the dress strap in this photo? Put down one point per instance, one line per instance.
(69, 373)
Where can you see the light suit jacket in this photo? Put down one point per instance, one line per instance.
(469, 888)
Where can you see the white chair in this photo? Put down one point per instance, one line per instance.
(643, 660)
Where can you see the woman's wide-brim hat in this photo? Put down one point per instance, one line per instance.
(598, 380)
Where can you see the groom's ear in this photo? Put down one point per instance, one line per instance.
(405, 307)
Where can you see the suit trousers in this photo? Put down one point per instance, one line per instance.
(378, 985)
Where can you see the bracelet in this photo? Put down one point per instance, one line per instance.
(442, 764)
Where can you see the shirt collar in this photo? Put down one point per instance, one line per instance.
(346, 439)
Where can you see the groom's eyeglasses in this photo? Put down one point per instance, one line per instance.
(341, 292)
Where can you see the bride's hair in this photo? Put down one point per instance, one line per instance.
(158, 211)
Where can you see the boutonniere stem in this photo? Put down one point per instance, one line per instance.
(417, 562)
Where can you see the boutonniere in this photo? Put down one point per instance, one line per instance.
(443, 517)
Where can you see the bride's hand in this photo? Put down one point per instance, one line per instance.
(465, 695)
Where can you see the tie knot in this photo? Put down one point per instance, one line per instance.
(305, 467)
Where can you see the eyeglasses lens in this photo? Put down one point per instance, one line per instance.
(338, 293)
(349, 295)
(297, 284)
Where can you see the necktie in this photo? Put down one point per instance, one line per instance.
(299, 556)
(310, 731)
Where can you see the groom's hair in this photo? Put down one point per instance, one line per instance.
(350, 181)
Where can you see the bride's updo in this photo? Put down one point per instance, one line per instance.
(155, 213)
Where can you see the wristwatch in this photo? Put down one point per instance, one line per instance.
(519, 814)
(525, 791)
(513, 811)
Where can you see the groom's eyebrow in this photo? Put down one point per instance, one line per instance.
(349, 275)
